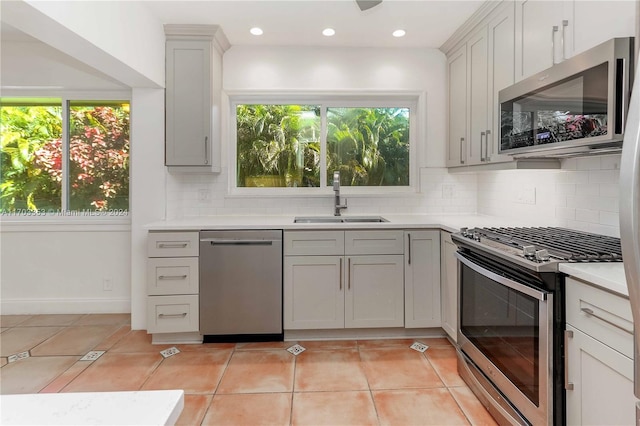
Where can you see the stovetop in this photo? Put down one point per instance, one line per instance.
(541, 248)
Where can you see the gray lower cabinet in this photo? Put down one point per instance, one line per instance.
(172, 282)
(449, 285)
(599, 352)
(313, 292)
(422, 279)
(338, 279)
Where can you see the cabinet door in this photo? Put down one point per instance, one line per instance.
(449, 286)
(313, 292)
(501, 64)
(457, 73)
(538, 27)
(188, 103)
(593, 367)
(422, 279)
(375, 291)
(593, 22)
(477, 56)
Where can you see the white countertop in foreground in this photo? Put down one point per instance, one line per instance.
(448, 222)
(93, 408)
(609, 276)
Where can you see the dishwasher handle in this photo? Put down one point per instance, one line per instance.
(236, 242)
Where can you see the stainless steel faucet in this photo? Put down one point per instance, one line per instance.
(336, 190)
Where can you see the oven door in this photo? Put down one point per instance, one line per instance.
(505, 329)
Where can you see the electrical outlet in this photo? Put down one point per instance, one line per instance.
(107, 284)
(447, 191)
(526, 194)
(204, 195)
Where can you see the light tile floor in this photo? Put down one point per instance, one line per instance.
(367, 382)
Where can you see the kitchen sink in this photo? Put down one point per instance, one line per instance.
(340, 219)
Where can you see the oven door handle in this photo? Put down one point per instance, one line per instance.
(536, 294)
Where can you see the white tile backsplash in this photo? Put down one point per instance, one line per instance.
(582, 195)
(207, 195)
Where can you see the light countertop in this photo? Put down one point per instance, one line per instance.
(448, 222)
(609, 276)
(93, 408)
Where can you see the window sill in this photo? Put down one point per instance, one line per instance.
(361, 192)
(54, 223)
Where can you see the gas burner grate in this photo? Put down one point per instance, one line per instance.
(562, 244)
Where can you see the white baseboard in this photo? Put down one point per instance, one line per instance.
(64, 306)
(363, 333)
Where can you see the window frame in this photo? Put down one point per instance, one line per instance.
(411, 100)
(67, 98)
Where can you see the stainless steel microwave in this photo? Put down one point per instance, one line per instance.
(576, 107)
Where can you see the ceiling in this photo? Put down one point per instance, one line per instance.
(428, 23)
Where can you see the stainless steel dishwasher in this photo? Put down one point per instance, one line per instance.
(241, 285)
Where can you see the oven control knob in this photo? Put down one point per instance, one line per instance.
(463, 231)
(529, 251)
(476, 236)
(542, 255)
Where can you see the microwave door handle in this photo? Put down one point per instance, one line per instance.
(623, 96)
(554, 30)
(565, 23)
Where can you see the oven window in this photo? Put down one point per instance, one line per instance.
(504, 325)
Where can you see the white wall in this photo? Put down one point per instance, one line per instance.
(583, 195)
(60, 266)
(120, 38)
(326, 70)
(32, 63)
(62, 269)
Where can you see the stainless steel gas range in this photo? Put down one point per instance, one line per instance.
(511, 304)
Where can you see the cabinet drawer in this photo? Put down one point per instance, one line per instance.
(310, 243)
(374, 242)
(172, 314)
(166, 275)
(600, 314)
(172, 244)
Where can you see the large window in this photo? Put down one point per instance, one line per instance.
(301, 145)
(61, 156)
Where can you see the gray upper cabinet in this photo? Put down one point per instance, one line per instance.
(479, 65)
(193, 96)
(548, 32)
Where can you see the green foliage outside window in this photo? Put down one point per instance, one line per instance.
(31, 157)
(281, 146)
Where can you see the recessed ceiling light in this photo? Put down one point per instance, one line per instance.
(328, 32)
(399, 33)
(256, 31)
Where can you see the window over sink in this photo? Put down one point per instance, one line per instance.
(281, 144)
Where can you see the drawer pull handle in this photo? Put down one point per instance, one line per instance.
(172, 277)
(593, 314)
(182, 315)
(172, 245)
